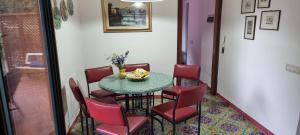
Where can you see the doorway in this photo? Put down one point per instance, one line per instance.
(30, 100)
(198, 37)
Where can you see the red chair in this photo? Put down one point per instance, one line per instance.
(191, 72)
(113, 119)
(132, 67)
(82, 105)
(95, 75)
(182, 108)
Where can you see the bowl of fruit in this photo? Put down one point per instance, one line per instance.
(138, 75)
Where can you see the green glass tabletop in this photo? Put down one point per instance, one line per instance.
(155, 82)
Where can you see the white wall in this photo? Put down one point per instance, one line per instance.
(70, 58)
(82, 44)
(252, 73)
(157, 48)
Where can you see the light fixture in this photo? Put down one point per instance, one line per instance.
(141, 0)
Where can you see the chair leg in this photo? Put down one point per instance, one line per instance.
(162, 98)
(152, 130)
(132, 103)
(174, 128)
(87, 125)
(199, 120)
(81, 121)
(93, 126)
(141, 101)
(153, 101)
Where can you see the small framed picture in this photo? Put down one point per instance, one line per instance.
(264, 3)
(270, 20)
(248, 6)
(250, 25)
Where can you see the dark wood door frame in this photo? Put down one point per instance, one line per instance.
(53, 72)
(216, 42)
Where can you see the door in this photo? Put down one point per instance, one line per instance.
(27, 91)
(185, 32)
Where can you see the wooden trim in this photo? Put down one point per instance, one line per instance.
(216, 46)
(73, 124)
(179, 34)
(179, 31)
(246, 116)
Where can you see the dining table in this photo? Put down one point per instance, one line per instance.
(154, 83)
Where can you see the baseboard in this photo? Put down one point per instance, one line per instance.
(73, 124)
(246, 116)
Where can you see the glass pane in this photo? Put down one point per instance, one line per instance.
(25, 67)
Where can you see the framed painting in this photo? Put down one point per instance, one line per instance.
(250, 25)
(248, 6)
(264, 3)
(270, 20)
(121, 16)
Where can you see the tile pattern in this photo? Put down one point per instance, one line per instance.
(217, 119)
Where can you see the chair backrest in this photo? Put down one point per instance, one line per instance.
(96, 74)
(76, 91)
(191, 72)
(191, 96)
(111, 114)
(132, 67)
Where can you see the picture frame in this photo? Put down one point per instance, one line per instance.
(250, 27)
(264, 4)
(119, 16)
(248, 6)
(270, 20)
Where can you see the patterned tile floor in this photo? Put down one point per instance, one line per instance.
(217, 119)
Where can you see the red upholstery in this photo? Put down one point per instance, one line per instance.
(191, 72)
(174, 91)
(187, 71)
(76, 91)
(96, 74)
(132, 67)
(105, 113)
(181, 114)
(183, 105)
(108, 100)
(111, 129)
(136, 122)
(112, 118)
(166, 110)
(191, 96)
(101, 93)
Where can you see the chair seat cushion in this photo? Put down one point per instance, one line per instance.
(181, 113)
(166, 110)
(108, 100)
(111, 129)
(135, 122)
(101, 93)
(174, 91)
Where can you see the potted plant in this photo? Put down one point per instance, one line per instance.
(119, 61)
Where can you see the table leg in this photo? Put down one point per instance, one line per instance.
(147, 109)
(127, 102)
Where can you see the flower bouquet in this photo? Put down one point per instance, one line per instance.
(119, 61)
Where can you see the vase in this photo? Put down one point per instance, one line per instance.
(122, 73)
